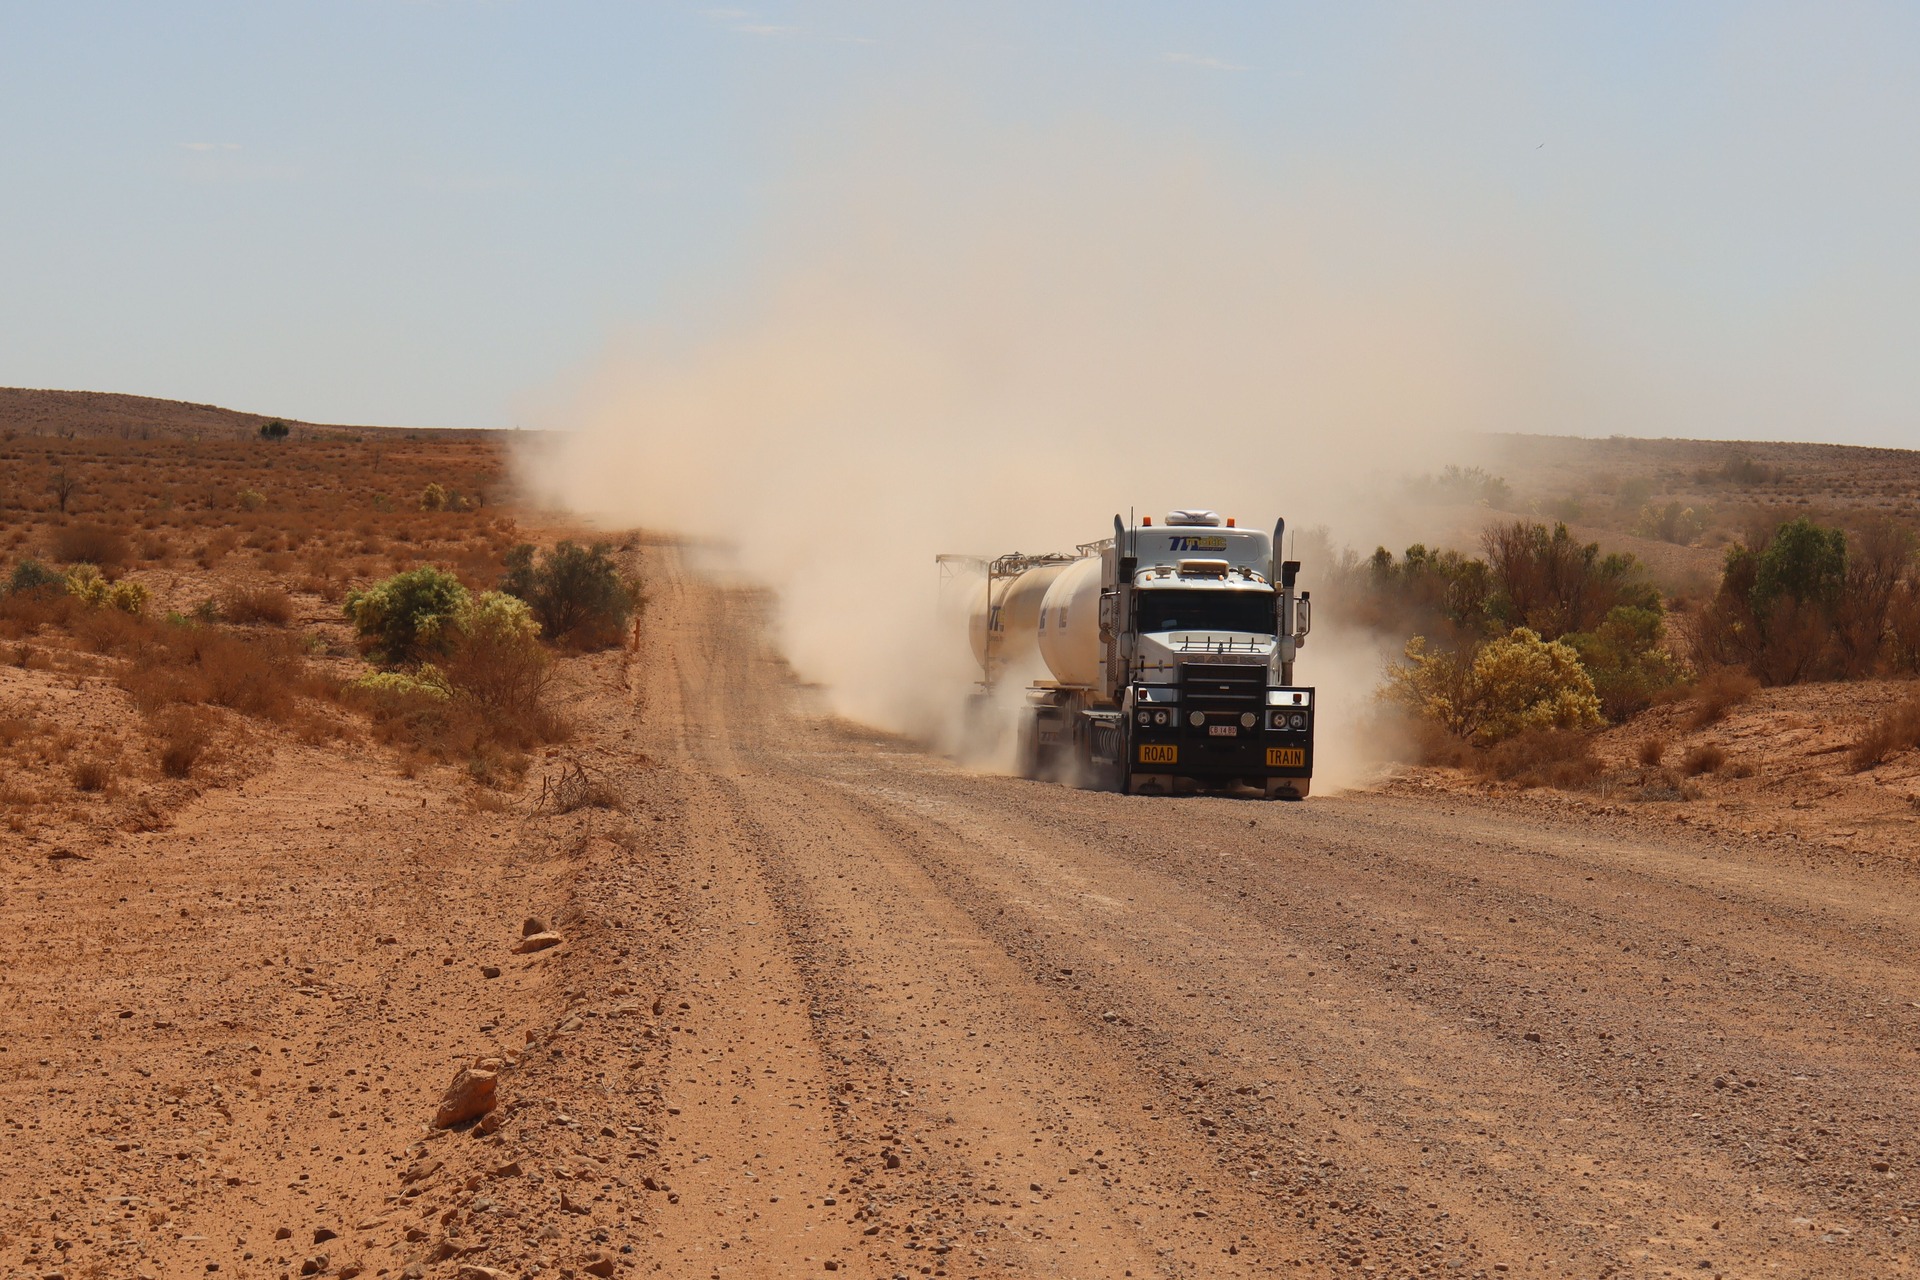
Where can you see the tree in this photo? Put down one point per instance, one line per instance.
(273, 431)
(576, 592)
(409, 617)
(64, 487)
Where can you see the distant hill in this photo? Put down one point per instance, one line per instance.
(96, 413)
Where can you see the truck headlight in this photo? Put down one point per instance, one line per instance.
(1299, 720)
(1248, 719)
(1162, 717)
(1144, 717)
(1196, 718)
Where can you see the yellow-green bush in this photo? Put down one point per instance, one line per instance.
(1507, 686)
(85, 583)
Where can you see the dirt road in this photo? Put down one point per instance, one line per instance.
(829, 1003)
(970, 1024)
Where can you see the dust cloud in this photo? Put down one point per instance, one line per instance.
(918, 366)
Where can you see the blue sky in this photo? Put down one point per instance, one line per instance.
(1689, 219)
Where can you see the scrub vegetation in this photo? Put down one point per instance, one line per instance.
(216, 586)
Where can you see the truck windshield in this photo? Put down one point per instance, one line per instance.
(1175, 610)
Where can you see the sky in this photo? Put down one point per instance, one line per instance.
(1640, 219)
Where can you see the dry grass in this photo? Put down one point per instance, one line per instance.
(245, 605)
(1542, 758)
(1896, 731)
(1718, 692)
(1652, 752)
(91, 775)
(183, 735)
(1705, 758)
(93, 544)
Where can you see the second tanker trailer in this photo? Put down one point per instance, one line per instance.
(1167, 655)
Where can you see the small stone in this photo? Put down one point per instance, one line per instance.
(325, 1234)
(536, 942)
(598, 1264)
(348, 1270)
(893, 1161)
(511, 1169)
(1881, 1166)
(532, 925)
(569, 1205)
(1532, 1037)
(470, 1096)
(472, 1272)
(314, 1266)
(425, 1169)
(283, 1233)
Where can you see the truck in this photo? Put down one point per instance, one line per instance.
(1168, 654)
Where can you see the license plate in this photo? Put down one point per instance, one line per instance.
(1287, 757)
(1224, 730)
(1150, 754)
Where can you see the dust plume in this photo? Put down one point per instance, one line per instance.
(921, 365)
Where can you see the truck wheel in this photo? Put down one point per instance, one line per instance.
(1026, 752)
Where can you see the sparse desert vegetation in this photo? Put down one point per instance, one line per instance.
(206, 581)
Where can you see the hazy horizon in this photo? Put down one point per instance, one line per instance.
(1619, 219)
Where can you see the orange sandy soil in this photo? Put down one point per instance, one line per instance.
(1786, 773)
(822, 1002)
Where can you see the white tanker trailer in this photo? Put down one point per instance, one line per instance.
(1170, 654)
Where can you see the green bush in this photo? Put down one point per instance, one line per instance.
(409, 617)
(31, 575)
(497, 660)
(576, 593)
(433, 498)
(1508, 686)
(1628, 660)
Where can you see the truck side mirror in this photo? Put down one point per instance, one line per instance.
(1303, 614)
(1289, 570)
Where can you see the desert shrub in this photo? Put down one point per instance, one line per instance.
(433, 498)
(195, 665)
(1675, 523)
(1896, 731)
(1628, 660)
(577, 593)
(1546, 581)
(1464, 484)
(409, 617)
(1652, 751)
(251, 500)
(31, 575)
(183, 734)
(1430, 592)
(1903, 629)
(1719, 692)
(90, 544)
(1510, 685)
(1541, 758)
(497, 659)
(1705, 758)
(91, 775)
(399, 690)
(85, 584)
(1802, 602)
(269, 605)
(273, 431)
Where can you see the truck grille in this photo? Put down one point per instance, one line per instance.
(1221, 688)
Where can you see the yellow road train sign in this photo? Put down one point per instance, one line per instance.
(1151, 754)
(1287, 757)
